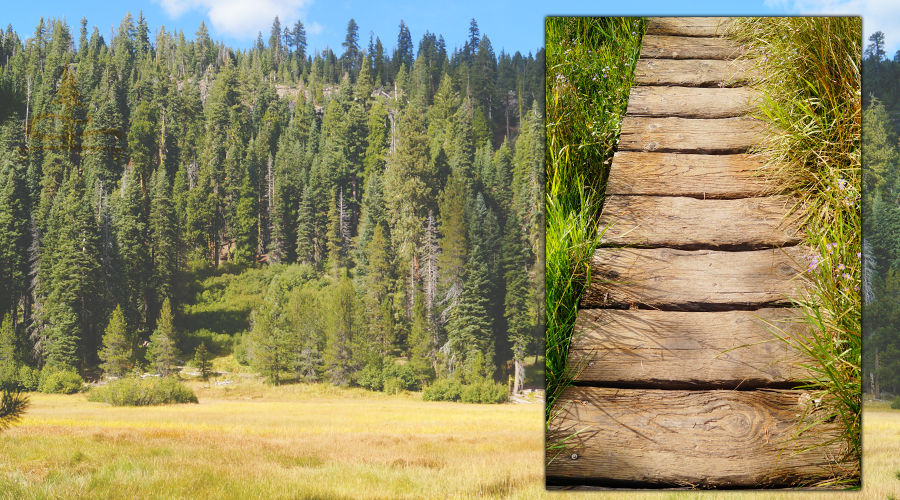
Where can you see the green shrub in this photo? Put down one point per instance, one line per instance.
(403, 378)
(393, 385)
(370, 378)
(895, 404)
(29, 378)
(134, 391)
(492, 393)
(485, 391)
(60, 382)
(443, 390)
(239, 351)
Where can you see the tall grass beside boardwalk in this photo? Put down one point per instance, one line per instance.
(590, 69)
(810, 82)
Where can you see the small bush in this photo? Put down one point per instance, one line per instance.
(393, 385)
(60, 382)
(443, 390)
(370, 378)
(29, 378)
(895, 404)
(241, 342)
(133, 391)
(403, 375)
(485, 391)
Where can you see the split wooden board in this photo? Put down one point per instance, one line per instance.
(736, 439)
(693, 73)
(691, 224)
(689, 135)
(688, 26)
(698, 280)
(688, 350)
(694, 175)
(691, 102)
(682, 47)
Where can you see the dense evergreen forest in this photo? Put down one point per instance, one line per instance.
(391, 198)
(881, 218)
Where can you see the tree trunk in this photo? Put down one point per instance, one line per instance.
(520, 377)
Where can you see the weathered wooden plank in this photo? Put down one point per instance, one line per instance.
(688, 350)
(690, 135)
(684, 47)
(688, 26)
(700, 176)
(694, 280)
(693, 72)
(692, 102)
(700, 438)
(692, 224)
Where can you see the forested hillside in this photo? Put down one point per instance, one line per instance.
(881, 218)
(390, 200)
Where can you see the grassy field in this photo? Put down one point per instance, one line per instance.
(301, 441)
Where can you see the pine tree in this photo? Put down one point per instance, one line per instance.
(163, 352)
(453, 242)
(117, 355)
(420, 343)
(9, 351)
(201, 359)
(71, 277)
(134, 250)
(519, 294)
(163, 240)
(269, 336)
(342, 332)
(14, 241)
(305, 229)
(378, 293)
(351, 47)
(142, 144)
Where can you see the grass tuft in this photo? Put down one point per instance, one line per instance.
(590, 70)
(810, 87)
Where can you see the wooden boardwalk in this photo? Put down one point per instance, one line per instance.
(682, 384)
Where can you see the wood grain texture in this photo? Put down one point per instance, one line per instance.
(688, 350)
(686, 47)
(698, 280)
(695, 175)
(693, 72)
(692, 224)
(679, 438)
(688, 26)
(692, 102)
(690, 135)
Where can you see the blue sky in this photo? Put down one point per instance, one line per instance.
(510, 25)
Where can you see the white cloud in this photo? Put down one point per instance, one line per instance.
(240, 18)
(313, 29)
(878, 15)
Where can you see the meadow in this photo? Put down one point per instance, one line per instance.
(249, 440)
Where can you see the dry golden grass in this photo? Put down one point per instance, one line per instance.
(252, 441)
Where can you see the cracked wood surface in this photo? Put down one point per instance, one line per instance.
(686, 350)
(636, 437)
(690, 102)
(690, 135)
(694, 280)
(688, 26)
(692, 73)
(691, 224)
(683, 47)
(694, 175)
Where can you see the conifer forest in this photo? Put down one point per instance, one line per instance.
(369, 215)
(881, 218)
